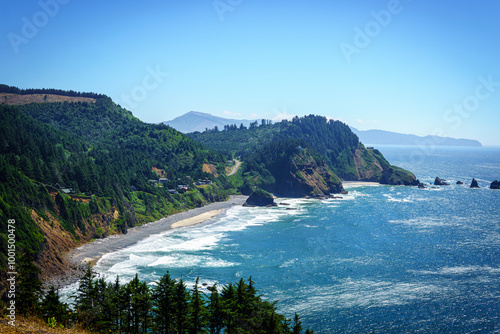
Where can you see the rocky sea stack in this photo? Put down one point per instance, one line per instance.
(396, 176)
(495, 185)
(260, 198)
(439, 182)
(474, 184)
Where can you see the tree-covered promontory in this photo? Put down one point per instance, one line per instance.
(266, 149)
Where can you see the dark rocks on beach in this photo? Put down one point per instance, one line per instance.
(439, 182)
(474, 184)
(260, 198)
(344, 192)
(460, 182)
(495, 185)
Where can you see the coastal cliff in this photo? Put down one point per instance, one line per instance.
(262, 148)
(304, 175)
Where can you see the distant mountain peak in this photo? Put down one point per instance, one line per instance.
(199, 121)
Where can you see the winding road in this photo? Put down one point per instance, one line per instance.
(235, 167)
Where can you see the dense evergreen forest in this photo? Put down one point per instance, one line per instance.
(15, 90)
(94, 169)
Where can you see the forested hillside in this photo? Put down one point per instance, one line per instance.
(330, 142)
(71, 172)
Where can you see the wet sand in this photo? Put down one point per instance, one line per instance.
(91, 252)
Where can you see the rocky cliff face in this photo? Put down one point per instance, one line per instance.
(372, 166)
(305, 175)
(58, 241)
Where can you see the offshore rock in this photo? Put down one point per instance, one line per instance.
(260, 198)
(396, 176)
(460, 182)
(421, 186)
(474, 184)
(439, 182)
(495, 185)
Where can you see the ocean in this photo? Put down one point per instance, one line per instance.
(381, 259)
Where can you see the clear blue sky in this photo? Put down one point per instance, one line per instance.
(412, 67)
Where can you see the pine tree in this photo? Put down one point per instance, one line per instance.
(52, 307)
(297, 325)
(271, 324)
(29, 285)
(85, 299)
(198, 310)
(216, 314)
(164, 305)
(140, 305)
(229, 308)
(182, 307)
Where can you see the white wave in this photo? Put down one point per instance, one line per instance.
(350, 293)
(288, 263)
(407, 199)
(424, 223)
(195, 244)
(182, 261)
(174, 248)
(460, 270)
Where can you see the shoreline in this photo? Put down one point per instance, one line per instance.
(79, 258)
(352, 184)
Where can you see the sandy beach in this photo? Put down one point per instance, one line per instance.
(352, 184)
(197, 219)
(91, 252)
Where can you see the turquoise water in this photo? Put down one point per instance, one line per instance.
(382, 259)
